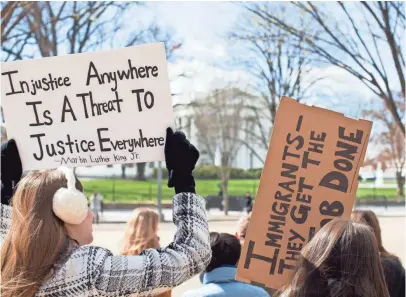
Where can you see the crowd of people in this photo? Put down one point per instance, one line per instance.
(46, 229)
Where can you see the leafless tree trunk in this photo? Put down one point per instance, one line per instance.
(359, 43)
(43, 29)
(140, 171)
(400, 182)
(218, 118)
(123, 169)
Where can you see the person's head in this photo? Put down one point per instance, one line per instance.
(4, 137)
(142, 232)
(37, 237)
(242, 227)
(226, 250)
(368, 217)
(248, 194)
(342, 259)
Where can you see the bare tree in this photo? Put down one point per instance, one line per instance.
(51, 28)
(363, 38)
(45, 29)
(392, 141)
(218, 117)
(12, 14)
(280, 66)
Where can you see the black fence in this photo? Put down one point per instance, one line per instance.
(235, 203)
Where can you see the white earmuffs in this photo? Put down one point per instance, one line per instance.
(69, 204)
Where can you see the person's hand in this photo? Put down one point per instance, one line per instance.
(11, 170)
(180, 157)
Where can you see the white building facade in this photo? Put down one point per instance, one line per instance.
(244, 157)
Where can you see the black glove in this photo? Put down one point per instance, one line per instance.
(180, 157)
(11, 170)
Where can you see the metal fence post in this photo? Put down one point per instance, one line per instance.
(159, 191)
(114, 188)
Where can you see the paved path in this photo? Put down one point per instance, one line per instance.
(110, 236)
(122, 216)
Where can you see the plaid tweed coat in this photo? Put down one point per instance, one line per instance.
(90, 271)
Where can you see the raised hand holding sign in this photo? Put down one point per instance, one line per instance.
(310, 177)
(89, 109)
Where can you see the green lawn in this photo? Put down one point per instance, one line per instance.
(386, 182)
(131, 191)
(389, 193)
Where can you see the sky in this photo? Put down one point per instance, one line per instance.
(206, 52)
(203, 28)
(204, 56)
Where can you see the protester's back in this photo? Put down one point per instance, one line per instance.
(219, 278)
(393, 269)
(48, 229)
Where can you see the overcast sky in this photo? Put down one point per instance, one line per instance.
(203, 28)
(206, 52)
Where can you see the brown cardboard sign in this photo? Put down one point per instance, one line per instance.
(310, 176)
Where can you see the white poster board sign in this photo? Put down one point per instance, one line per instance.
(89, 109)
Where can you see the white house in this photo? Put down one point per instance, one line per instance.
(244, 157)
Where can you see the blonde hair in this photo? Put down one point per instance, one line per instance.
(37, 239)
(3, 133)
(141, 232)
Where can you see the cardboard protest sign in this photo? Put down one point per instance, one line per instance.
(89, 109)
(310, 177)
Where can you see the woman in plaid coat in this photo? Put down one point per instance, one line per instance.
(46, 231)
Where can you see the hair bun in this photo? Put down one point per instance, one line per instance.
(70, 205)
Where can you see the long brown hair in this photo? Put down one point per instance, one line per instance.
(369, 217)
(341, 260)
(141, 234)
(37, 239)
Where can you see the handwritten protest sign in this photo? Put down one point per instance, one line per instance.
(310, 177)
(89, 109)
